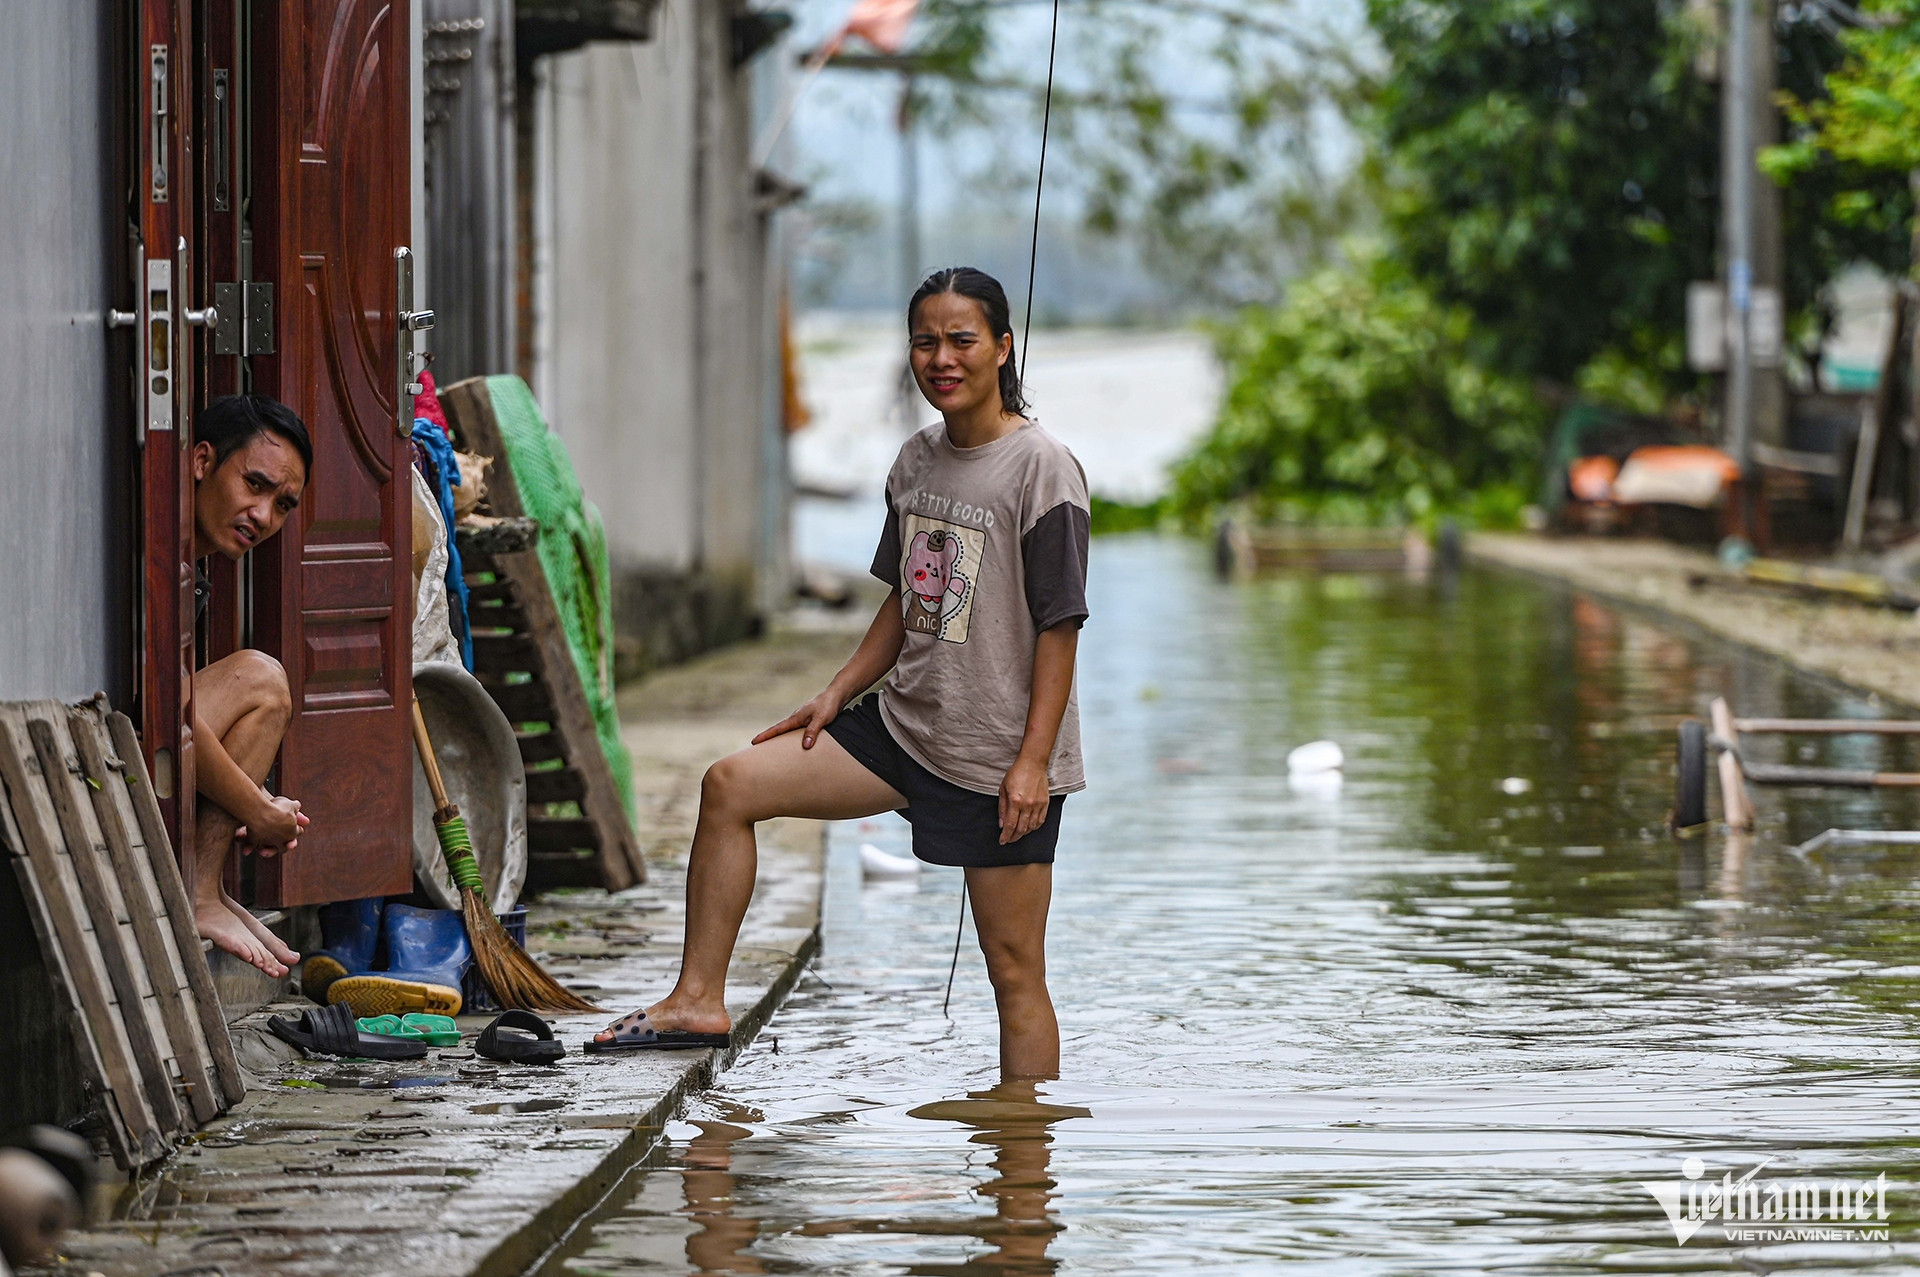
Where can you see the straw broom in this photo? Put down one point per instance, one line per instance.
(515, 978)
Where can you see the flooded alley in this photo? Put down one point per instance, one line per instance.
(1452, 1014)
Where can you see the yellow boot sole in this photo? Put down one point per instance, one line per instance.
(317, 975)
(375, 994)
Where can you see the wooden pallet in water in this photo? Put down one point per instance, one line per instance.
(521, 656)
(82, 829)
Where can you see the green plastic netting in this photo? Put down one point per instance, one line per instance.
(573, 550)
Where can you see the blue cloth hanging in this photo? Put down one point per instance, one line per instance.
(446, 476)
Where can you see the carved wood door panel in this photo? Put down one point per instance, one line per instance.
(331, 207)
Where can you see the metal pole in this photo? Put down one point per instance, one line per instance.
(1738, 170)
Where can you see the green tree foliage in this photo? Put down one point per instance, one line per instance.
(1855, 137)
(1358, 399)
(1551, 165)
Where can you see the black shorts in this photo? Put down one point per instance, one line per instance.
(951, 825)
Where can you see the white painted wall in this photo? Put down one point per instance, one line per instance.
(651, 356)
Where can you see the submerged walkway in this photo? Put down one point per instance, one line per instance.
(1875, 650)
(455, 1165)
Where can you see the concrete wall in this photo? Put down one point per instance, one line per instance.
(64, 455)
(652, 357)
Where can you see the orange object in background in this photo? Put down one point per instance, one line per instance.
(1591, 478)
(1676, 474)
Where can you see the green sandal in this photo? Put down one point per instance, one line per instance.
(433, 1030)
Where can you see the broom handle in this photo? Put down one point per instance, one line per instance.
(424, 744)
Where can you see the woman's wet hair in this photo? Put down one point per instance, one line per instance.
(978, 286)
(231, 422)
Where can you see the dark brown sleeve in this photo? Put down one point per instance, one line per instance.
(1055, 552)
(886, 557)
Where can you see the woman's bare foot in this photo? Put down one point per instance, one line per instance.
(216, 922)
(667, 1016)
(274, 944)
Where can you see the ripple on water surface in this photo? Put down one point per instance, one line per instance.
(1420, 1021)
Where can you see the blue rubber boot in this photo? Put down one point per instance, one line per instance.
(349, 933)
(427, 954)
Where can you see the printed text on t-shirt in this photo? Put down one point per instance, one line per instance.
(922, 501)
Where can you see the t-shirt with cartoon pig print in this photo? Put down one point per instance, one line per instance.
(988, 547)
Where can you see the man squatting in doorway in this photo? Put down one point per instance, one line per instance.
(251, 461)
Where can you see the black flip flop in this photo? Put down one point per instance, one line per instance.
(633, 1033)
(331, 1031)
(519, 1037)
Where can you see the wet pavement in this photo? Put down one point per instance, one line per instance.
(456, 1165)
(1469, 1010)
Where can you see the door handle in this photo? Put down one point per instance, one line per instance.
(206, 316)
(411, 321)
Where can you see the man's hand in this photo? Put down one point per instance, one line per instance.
(1023, 799)
(274, 827)
(811, 718)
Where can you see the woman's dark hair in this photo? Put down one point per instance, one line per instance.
(231, 422)
(976, 285)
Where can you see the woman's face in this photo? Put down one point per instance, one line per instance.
(954, 355)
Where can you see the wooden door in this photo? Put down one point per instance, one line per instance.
(162, 191)
(330, 208)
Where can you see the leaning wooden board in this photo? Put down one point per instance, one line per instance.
(534, 643)
(108, 909)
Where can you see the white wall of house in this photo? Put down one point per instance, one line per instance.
(652, 355)
(62, 471)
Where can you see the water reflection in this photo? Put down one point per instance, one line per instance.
(1423, 1021)
(1013, 1121)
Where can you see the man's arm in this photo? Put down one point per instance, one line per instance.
(1024, 792)
(271, 823)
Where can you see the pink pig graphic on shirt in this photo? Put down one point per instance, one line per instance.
(933, 580)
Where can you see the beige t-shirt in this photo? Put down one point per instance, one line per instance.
(988, 547)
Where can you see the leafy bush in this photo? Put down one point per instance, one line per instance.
(1356, 400)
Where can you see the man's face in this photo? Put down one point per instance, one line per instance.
(244, 500)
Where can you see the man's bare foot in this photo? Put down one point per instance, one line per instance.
(665, 1017)
(216, 922)
(275, 946)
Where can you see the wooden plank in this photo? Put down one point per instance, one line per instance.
(1736, 803)
(146, 908)
(562, 785)
(131, 1130)
(112, 924)
(524, 702)
(563, 869)
(540, 747)
(508, 652)
(1828, 726)
(470, 412)
(562, 835)
(173, 891)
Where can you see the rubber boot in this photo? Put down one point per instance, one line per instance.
(349, 934)
(427, 954)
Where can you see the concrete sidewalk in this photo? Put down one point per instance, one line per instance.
(1871, 650)
(455, 1165)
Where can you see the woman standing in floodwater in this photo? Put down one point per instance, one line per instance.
(974, 736)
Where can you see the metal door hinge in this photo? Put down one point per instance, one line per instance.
(246, 319)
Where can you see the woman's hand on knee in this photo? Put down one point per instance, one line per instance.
(810, 720)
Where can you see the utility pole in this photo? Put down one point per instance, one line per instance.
(909, 229)
(1751, 218)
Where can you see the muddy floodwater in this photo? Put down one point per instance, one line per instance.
(1464, 1010)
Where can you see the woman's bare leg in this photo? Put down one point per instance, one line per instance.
(775, 778)
(1010, 916)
